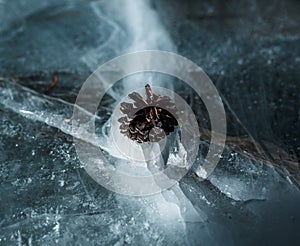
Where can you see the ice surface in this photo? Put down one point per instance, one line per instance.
(192, 209)
(46, 195)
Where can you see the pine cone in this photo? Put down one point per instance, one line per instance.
(147, 119)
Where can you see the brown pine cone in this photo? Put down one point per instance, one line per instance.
(147, 119)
